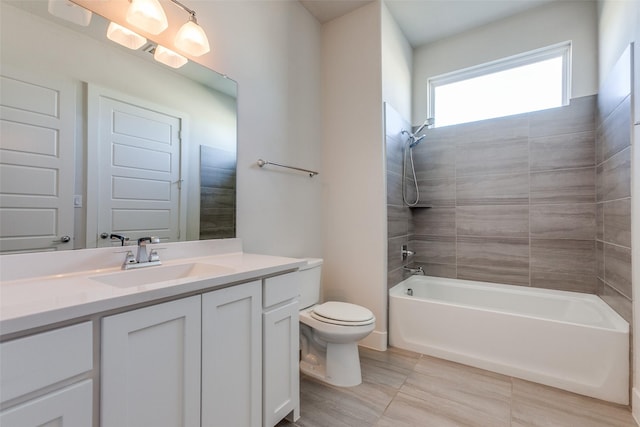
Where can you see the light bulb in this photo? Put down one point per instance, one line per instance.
(147, 15)
(125, 36)
(191, 39)
(169, 57)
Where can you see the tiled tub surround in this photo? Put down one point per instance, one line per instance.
(539, 199)
(613, 188)
(514, 200)
(398, 215)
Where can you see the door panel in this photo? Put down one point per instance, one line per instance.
(138, 162)
(37, 131)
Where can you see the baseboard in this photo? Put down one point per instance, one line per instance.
(635, 405)
(376, 340)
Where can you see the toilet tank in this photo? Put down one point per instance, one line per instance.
(309, 279)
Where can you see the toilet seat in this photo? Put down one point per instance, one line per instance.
(342, 313)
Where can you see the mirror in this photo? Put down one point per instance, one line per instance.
(123, 187)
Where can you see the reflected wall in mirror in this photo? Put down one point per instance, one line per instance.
(97, 139)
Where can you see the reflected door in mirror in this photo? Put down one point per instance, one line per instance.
(37, 122)
(138, 166)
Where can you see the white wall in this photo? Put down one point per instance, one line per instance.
(543, 26)
(354, 217)
(272, 49)
(618, 26)
(397, 64)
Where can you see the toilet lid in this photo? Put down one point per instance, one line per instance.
(342, 313)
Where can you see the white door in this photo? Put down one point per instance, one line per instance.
(37, 128)
(138, 169)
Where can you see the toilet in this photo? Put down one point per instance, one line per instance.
(329, 332)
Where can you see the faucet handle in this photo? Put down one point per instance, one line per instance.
(129, 258)
(153, 256)
(144, 240)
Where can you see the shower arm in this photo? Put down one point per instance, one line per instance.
(427, 123)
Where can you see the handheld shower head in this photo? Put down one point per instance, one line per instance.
(415, 141)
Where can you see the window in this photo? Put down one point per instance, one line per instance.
(528, 82)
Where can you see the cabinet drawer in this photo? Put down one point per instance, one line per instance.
(31, 363)
(279, 289)
(68, 407)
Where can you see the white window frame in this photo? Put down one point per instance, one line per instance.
(562, 50)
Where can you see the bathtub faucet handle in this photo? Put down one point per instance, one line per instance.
(406, 253)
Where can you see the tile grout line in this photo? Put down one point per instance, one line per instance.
(398, 389)
(511, 401)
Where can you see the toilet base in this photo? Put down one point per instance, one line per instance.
(340, 366)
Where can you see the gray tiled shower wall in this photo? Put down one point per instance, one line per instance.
(529, 200)
(613, 188)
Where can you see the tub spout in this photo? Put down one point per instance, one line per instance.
(413, 271)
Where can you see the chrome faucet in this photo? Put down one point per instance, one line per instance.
(142, 259)
(413, 271)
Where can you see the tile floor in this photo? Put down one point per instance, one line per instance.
(406, 389)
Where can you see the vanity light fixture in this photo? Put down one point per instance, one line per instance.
(169, 57)
(191, 38)
(148, 15)
(69, 11)
(125, 36)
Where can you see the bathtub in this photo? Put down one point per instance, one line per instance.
(567, 340)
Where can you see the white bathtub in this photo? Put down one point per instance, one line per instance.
(568, 340)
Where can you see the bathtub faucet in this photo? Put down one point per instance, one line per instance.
(413, 271)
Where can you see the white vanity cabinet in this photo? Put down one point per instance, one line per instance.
(46, 378)
(179, 344)
(190, 362)
(280, 328)
(150, 371)
(231, 356)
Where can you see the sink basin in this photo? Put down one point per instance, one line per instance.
(162, 273)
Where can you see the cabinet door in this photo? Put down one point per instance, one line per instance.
(231, 356)
(68, 407)
(151, 366)
(280, 364)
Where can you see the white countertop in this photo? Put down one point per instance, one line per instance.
(36, 301)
